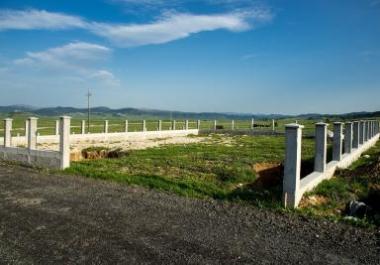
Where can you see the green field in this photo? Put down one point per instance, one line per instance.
(221, 167)
(46, 125)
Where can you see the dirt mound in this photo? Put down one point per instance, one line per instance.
(102, 152)
(269, 174)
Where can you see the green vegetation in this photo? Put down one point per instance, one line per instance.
(221, 167)
(361, 181)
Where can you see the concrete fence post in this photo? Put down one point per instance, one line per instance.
(232, 125)
(337, 141)
(292, 168)
(160, 125)
(64, 141)
(173, 124)
(215, 124)
(372, 129)
(355, 139)
(198, 124)
(253, 124)
(186, 124)
(32, 133)
(144, 125)
(126, 126)
(348, 137)
(361, 132)
(105, 126)
(83, 127)
(57, 127)
(320, 147)
(366, 131)
(273, 127)
(8, 132)
(26, 129)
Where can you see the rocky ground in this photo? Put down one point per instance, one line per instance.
(49, 218)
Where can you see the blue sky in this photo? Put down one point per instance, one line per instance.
(193, 55)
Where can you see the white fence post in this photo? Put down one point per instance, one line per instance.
(56, 127)
(337, 141)
(186, 124)
(26, 130)
(198, 124)
(355, 140)
(105, 126)
(292, 169)
(253, 124)
(64, 141)
(126, 126)
(215, 123)
(160, 125)
(273, 128)
(8, 132)
(361, 132)
(83, 127)
(320, 147)
(144, 125)
(366, 137)
(232, 125)
(173, 125)
(32, 133)
(348, 137)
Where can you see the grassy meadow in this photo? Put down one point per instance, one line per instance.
(221, 167)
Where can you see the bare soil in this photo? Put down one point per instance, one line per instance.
(50, 218)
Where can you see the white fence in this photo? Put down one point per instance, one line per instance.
(359, 136)
(61, 159)
(30, 155)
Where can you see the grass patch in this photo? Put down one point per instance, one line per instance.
(361, 181)
(220, 168)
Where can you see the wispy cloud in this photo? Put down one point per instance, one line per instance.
(248, 56)
(75, 59)
(38, 19)
(170, 26)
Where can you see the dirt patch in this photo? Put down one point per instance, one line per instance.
(102, 152)
(313, 200)
(26, 202)
(269, 174)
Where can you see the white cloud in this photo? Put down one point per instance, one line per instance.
(169, 27)
(75, 51)
(37, 19)
(76, 60)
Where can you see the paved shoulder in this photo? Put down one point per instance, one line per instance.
(54, 219)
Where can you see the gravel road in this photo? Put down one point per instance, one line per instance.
(50, 218)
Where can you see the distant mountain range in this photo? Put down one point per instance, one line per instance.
(165, 114)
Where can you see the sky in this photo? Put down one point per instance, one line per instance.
(247, 56)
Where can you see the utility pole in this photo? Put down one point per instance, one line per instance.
(88, 110)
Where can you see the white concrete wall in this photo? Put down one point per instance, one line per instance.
(50, 159)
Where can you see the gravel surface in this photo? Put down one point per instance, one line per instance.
(49, 218)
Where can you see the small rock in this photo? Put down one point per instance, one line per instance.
(366, 156)
(356, 209)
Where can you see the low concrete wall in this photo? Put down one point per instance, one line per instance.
(312, 180)
(119, 136)
(357, 138)
(50, 159)
(31, 156)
